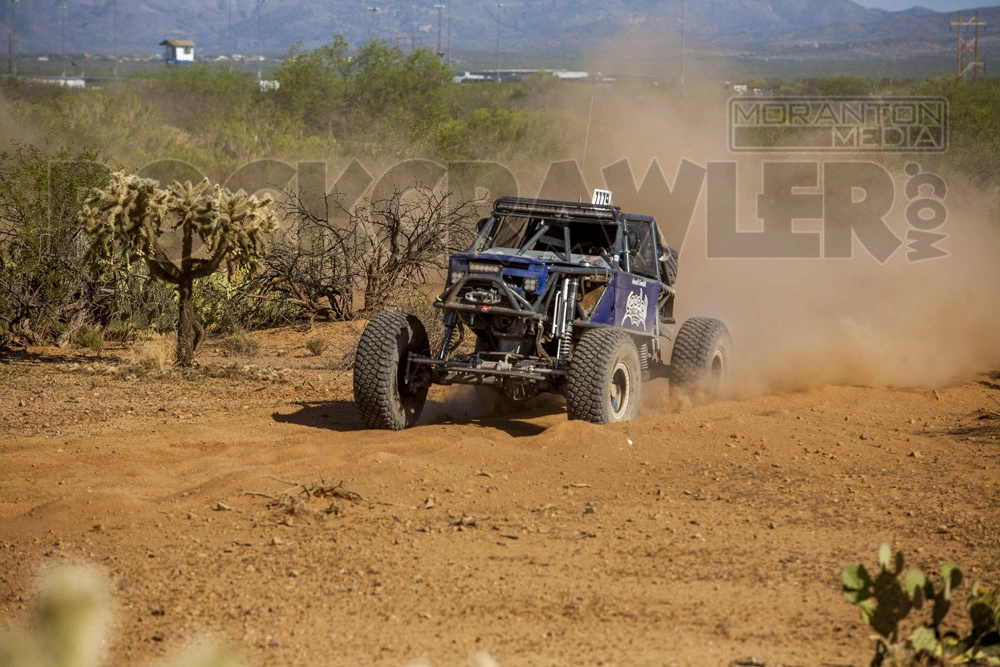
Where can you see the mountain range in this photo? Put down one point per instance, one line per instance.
(223, 26)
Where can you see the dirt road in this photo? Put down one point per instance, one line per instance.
(705, 536)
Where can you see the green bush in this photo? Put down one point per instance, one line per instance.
(838, 85)
(497, 133)
(48, 288)
(974, 119)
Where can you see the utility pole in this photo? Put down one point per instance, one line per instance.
(11, 39)
(116, 37)
(229, 35)
(499, 7)
(63, 9)
(260, 50)
(439, 7)
(968, 46)
(683, 62)
(449, 33)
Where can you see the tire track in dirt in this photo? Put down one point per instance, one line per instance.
(697, 537)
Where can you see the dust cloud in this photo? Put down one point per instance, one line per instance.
(805, 323)
(811, 322)
(12, 129)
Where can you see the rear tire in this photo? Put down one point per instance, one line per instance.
(701, 357)
(605, 378)
(383, 398)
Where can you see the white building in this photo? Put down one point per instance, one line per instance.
(178, 51)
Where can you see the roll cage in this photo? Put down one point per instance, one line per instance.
(628, 242)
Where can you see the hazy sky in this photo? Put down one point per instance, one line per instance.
(939, 5)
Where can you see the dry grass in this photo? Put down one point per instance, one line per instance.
(241, 345)
(90, 337)
(316, 346)
(154, 355)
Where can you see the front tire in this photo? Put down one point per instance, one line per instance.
(701, 357)
(605, 378)
(384, 399)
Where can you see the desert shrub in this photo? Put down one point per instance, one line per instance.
(498, 133)
(49, 289)
(374, 253)
(420, 303)
(90, 337)
(186, 94)
(136, 303)
(316, 346)
(241, 345)
(838, 85)
(154, 353)
(974, 123)
(241, 302)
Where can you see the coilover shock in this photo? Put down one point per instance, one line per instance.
(570, 287)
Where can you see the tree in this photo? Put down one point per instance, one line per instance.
(313, 84)
(332, 91)
(183, 233)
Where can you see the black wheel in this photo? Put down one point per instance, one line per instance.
(701, 356)
(383, 397)
(605, 378)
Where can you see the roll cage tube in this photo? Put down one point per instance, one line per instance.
(563, 237)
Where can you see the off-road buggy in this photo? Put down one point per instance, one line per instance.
(552, 296)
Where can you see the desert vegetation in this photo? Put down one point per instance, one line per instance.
(79, 271)
(887, 600)
(98, 246)
(338, 260)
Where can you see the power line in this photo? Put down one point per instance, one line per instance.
(413, 39)
(229, 36)
(499, 7)
(260, 53)
(63, 9)
(116, 37)
(11, 40)
(439, 7)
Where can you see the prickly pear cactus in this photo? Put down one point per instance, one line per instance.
(889, 597)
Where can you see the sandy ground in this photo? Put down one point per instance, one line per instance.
(707, 536)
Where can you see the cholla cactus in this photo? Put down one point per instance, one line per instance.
(215, 226)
